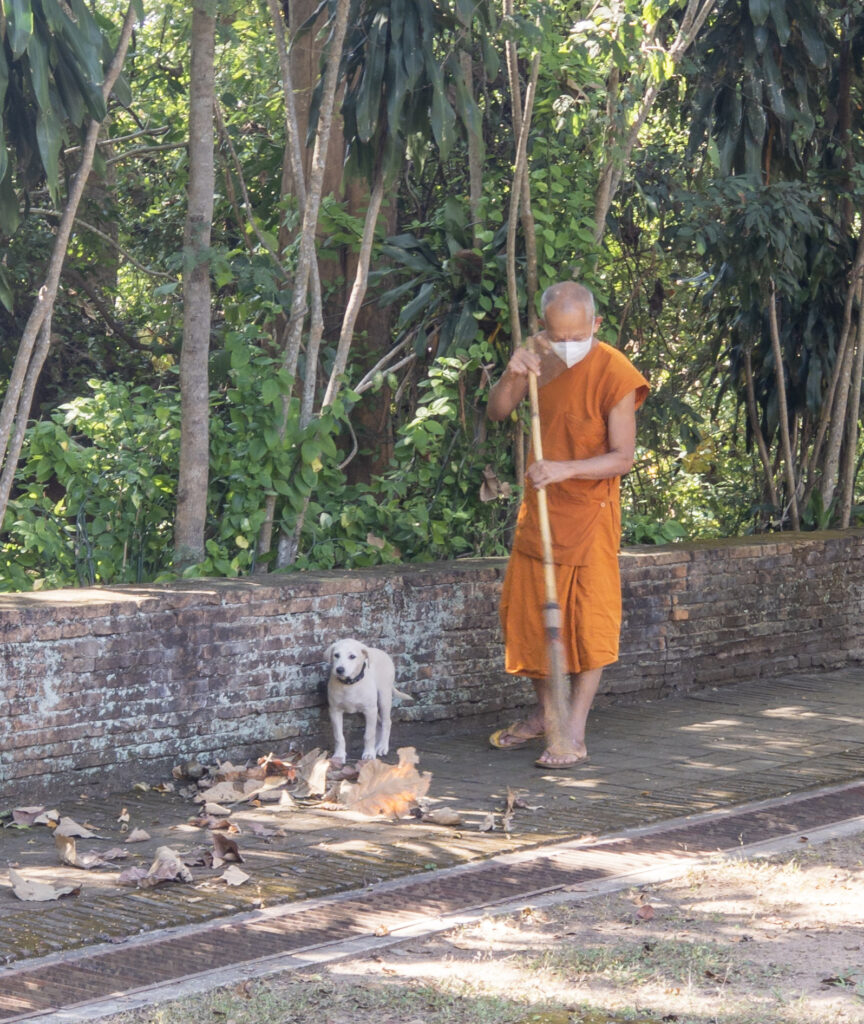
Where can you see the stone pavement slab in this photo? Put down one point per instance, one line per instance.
(650, 762)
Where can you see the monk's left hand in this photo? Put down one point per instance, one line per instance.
(546, 472)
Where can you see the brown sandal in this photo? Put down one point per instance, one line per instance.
(497, 741)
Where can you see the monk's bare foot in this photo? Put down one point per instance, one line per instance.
(515, 735)
(561, 762)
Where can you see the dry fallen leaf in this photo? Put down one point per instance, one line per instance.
(192, 770)
(259, 830)
(68, 827)
(226, 772)
(229, 792)
(137, 835)
(312, 774)
(216, 810)
(49, 818)
(68, 854)
(487, 824)
(224, 825)
(493, 487)
(26, 815)
(442, 816)
(232, 875)
(645, 912)
(115, 853)
(388, 789)
(225, 850)
(132, 876)
(167, 867)
(276, 766)
(39, 892)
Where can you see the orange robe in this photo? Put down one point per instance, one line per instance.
(585, 523)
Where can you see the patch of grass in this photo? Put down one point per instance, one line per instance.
(660, 961)
(303, 999)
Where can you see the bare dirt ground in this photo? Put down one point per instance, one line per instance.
(776, 940)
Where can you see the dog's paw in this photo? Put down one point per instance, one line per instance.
(369, 756)
(382, 751)
(337, 762)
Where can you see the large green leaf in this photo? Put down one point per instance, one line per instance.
(68, 89)
(9, 209)
(759, 10)
(466, 327)
(49, 135)
(19, 25)
(418, 303)
(441, 116)
(781, 20)
(372, 84)
(813, 42)
(37, 52)
(7, 296)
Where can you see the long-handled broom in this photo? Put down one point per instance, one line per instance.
(557, 711)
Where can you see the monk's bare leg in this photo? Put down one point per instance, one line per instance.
(583, 689)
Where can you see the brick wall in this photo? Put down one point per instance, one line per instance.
(132, 679)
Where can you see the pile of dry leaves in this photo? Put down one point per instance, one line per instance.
(371, 788)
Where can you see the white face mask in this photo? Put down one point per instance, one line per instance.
(572, 352)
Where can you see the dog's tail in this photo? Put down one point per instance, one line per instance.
(399, 693)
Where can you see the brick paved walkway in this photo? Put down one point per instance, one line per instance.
(649, 762)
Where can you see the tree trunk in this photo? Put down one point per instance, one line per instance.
(753, 413)
(783, 411)
(194, 381)
(854, 409)
(31, 357)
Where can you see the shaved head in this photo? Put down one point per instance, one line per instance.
(567, 297)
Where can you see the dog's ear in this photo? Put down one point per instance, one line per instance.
(328, 654)
(365, 653)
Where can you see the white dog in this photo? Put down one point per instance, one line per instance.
(361, 679)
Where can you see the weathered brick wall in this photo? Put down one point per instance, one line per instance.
(127, 680)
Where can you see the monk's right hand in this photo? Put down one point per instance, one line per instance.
(523, 362)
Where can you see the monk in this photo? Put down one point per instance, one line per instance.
(588, 396)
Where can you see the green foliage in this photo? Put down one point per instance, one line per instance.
(761, 91)
(429, 504)
(50, 79)
(403, 82)
(96, 498)
(97, 489)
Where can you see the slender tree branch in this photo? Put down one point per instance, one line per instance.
(42, 212)
(358, 290)
(247, 205)
(143, 150)
(368, 378)
(520, 169)
(113, 140)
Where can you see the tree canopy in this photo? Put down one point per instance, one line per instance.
(697, 164)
